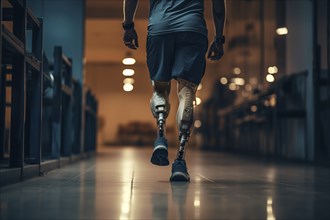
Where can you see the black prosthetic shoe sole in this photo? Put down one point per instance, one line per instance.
(160, 157)
(179, 177)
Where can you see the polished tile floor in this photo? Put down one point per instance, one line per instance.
(120, 183)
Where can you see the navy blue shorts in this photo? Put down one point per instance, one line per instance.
(177, 55)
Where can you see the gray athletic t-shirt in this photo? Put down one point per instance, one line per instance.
(170, 16)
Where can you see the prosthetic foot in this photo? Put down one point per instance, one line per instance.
(185, 119)
(160, 108)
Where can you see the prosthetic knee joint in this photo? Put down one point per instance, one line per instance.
(160, 105)
(185, 113)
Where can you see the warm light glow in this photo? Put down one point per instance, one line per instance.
(198, 124)
(197, 203)
(199, 87)
(237, 70)
(238, 81)
(269, 209)
(254, 108)
(253, 81)
(128, 81)
(128, 87)
(270, 78)
(282, 31)
(272, 101)
(266, 103)
(232, 86)
(129, 61)
(128, 72)
(248, 87)
(125, 208)
(275, 69)
(272, 70)
(122, 217)
(198, 101)
(127, 167)
(245, 94)
(223, 80)
(270, 214)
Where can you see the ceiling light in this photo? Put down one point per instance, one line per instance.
(198, 101)
(198, 124)
(254, 108)
(128, 72)
(199, 87)
(237, 70)
(270, 78)
(282, 31)
(128, 81)
(128, 87)
(238, 81)
(129, 61)
(272, 70)
(223, 80)
(275, 69)
(233, 86)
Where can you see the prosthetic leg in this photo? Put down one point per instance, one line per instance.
(184, 119)
(160, 108)
(185, 113)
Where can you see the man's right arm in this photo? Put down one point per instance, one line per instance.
(130, 36)
(129, 10)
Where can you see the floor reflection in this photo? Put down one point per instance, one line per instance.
(270, 214)
(179, 197)
(159, 203)
(123, 184)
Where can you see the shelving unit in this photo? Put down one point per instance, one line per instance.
(62, 112)
(24, 69)
(259, 125)
(90, 114)
(26, 84)
(77, 117)
(41, 99)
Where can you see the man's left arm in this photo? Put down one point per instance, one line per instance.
(219, 16)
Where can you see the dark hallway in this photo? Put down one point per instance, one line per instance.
(81, 114)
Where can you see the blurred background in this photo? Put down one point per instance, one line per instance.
(269, 95)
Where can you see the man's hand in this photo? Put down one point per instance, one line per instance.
(216, 50)
(131, 39)
(130, 36)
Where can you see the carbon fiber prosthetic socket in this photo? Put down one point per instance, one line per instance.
(185, 113)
